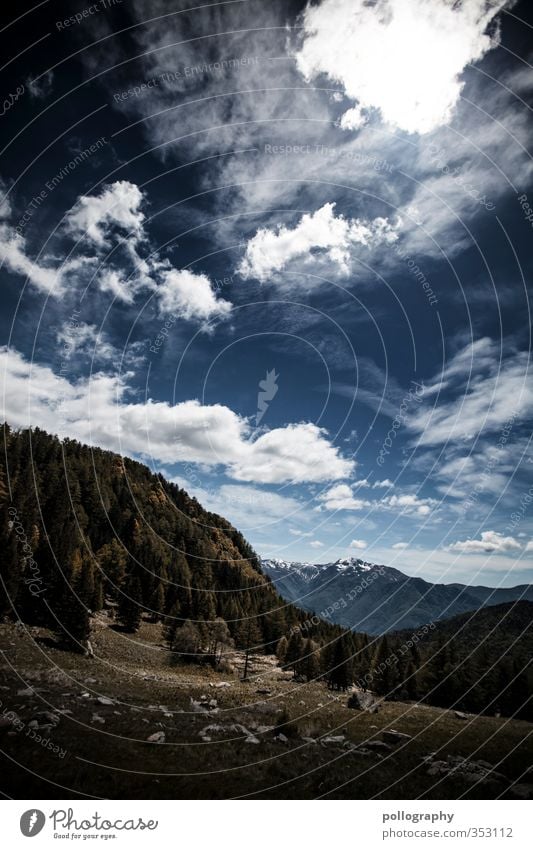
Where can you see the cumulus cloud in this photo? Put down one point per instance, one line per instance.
(358, 544)
(96, 411)
(113, 222)
(94, 217)
(190, 295)
(402, 57)
(316, 544)
(341, 497)
(491, 541)
(400, 546)
(320, 234)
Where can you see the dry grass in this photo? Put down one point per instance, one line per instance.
(113, 760)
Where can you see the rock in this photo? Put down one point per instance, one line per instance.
(310, 740)
(252, 739)
(49, 716)
(90, 680)
(339, 738)
(85, 696)
(33, 724)
(460, 715)
(28, 691)
(221, 684)
(157, 737)
(359, 700)
(377, 745)
(281, 738)
(97, 718)
(103, 700)
(395, 737)
(471, 771)
(523, 791)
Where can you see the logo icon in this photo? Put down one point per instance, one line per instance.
(32, 822)
(268, 389)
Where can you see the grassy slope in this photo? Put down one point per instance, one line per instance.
(113, 759)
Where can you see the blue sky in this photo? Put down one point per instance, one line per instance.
(282, 254)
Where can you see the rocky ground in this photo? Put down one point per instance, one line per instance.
(130, 724)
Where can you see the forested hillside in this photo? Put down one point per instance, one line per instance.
(480, 662)
(81, 527)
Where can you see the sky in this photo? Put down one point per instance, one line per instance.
(281, 253)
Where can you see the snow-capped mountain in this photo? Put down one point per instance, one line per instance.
(376, 599)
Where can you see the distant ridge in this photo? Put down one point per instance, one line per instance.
(378, 599)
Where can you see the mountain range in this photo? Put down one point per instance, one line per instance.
(377, 599)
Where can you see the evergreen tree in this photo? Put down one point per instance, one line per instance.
(340, 675)
(130, 604)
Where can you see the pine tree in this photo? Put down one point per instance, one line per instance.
(340, 675)
(310, 664)
(130, 604)
(281, 650)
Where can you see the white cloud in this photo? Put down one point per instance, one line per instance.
(114, 280)
(316, 544)
(295, 453)
(95, 411)
(358, 544)
(403, 57)
(482, 392)
(341, 497)
(400, 546)
(13, 252)
(79, 339)
(353, 119)
(491, 541)
(190, 295)
(383, 484)
(320, 234)
(529, 546)
(118, 205)
(118, 211)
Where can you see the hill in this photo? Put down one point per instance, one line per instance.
(378, 599)
(479, 662)
(82, 529)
